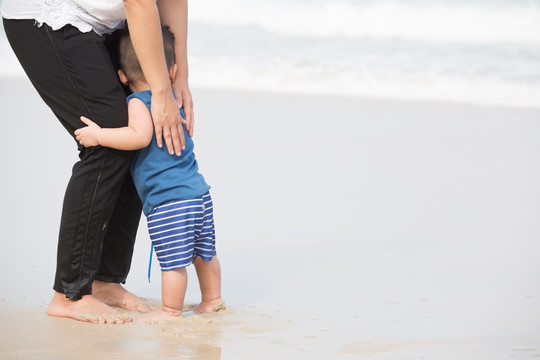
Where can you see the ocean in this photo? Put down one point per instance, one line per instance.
(483, 52)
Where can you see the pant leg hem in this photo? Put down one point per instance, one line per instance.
(72, 295)
(110, 279)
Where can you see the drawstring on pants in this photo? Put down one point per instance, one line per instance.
(150, 261)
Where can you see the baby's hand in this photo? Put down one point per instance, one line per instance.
(89, 135)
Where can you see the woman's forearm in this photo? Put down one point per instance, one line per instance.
(174, 13)
(145, 32)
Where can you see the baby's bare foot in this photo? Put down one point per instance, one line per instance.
(114, 294)
(87, 309)
(210, 306)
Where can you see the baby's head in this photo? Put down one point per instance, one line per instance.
(130, 72)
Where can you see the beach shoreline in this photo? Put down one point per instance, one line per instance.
(347, 228)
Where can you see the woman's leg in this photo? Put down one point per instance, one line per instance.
(120, 235)
(117, 252)
(73, 74)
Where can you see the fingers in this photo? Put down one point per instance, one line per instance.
(173, 141)
(182, 116)
(168, 141)
(159, 134)
(180, 132)
(83, 142)
(174, 138)
(87, 121)
(189, 121)
(85, 138)
(178, 141)
(179, 100)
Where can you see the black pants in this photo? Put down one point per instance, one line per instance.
(74, 74)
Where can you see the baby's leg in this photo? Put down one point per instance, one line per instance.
(209, 274)
(173, 292)
(172, 226)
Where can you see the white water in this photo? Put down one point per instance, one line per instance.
(478, 51)
(437, 21)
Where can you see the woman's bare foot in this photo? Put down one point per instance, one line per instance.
(114, 294)
(87, 309)
(160, 315)
(210, 306)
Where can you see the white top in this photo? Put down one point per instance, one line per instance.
(102, 16)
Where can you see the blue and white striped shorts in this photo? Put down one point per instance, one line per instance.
(183, 230)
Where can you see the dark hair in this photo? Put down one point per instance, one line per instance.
(128, 59)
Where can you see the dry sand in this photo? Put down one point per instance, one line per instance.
(347, 229)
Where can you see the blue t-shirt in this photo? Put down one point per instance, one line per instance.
(160, 177)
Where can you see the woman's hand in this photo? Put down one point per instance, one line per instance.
(168, 122)
(184, 99)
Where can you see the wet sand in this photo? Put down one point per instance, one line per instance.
(347, 229)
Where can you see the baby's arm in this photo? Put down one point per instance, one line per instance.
(136, 135)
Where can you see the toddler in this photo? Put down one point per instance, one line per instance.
(175, 195)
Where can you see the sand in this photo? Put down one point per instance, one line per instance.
(347, 229)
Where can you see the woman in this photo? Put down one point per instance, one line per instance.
(61, 46)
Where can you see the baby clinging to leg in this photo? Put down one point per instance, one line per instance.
(175, 196)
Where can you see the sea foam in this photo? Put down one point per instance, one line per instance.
(472, 22)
